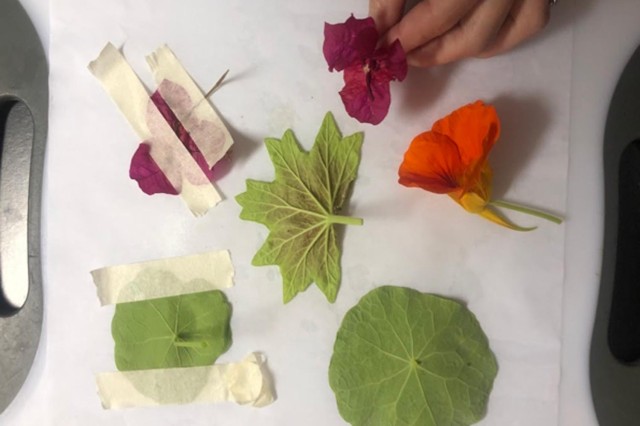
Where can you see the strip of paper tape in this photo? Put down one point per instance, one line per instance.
(163, 278)
(197, 116)
(122, 84)
(247, 382)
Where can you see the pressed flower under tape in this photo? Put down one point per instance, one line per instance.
(351, 47)
(144, 169)
(452, 159)
(182, 136)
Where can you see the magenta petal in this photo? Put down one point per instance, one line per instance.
(147, 173)
(222, 167)
(346, 43)
(392, 61)
(367, 102)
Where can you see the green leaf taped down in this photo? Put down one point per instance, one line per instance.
(301, 208)
(402, 357)
(180, 331)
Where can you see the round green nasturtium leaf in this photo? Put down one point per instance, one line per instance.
(188, 330)
(402, 357)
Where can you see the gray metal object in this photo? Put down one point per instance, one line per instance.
(23, 129)
(615, 346)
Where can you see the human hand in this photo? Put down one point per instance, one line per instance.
(436, 32)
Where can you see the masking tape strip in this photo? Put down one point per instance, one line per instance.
(180, 131)
(126, 90)
(247, 382)
(193, 110)
(163, 278)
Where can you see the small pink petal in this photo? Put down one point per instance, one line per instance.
(210, 133)
(147, 173)
(354, 40)
(366, 98)
(222, 167)
(176, 98)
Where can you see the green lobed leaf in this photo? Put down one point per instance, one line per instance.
(402, 357)
(300, 208)
(179, 331)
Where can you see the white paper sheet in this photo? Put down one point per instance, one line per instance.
(96, 216)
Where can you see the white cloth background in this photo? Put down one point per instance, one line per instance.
(96, 216)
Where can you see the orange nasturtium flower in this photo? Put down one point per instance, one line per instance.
(452, 159)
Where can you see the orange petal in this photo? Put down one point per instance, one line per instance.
(475, 128)
(479, 180)
(475, 193)
(432, 162)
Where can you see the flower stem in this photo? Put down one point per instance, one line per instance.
(526, 210)
(344, 220)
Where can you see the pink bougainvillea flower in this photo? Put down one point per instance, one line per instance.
(452, 159)
(143, 169)
(351, 47)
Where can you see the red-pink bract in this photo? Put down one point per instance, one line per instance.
(367, 71)
(365, 99)
(351, 41)
(366, 95)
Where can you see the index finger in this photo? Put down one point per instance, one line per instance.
(386, 13)
(428, 20)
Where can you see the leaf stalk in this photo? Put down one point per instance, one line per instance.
(344, 220)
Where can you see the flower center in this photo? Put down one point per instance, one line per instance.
(369, 66)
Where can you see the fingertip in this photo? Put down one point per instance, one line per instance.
(422, 58)
(390, 36)
(375, 13)
(385, 13)
(440, 51)
(540, 20)
(526, 21)
(486, 54)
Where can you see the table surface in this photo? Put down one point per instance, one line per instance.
(605, 36)
(607, 31)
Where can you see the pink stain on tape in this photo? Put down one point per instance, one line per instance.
(144, 169)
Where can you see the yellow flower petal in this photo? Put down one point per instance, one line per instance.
(495, 217)
(472, 202)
